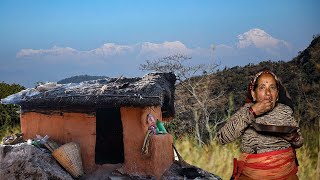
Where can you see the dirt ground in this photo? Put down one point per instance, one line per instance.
(110, 172)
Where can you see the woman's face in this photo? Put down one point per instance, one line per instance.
(266, 89)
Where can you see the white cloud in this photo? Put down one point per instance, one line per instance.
(108, 49)
(251, 46)
(54, 51)
(164, 48)
(111, 50)
(113, 59)
(259, 39)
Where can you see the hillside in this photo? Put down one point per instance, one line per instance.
(80, 78)
(300, 76)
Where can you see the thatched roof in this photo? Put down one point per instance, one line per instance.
(154, 89)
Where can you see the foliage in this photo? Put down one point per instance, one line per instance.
(80, 78)
(200, 101)
(9, 116)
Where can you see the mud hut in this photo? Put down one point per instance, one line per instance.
(107, 117)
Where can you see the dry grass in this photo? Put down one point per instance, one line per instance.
(214, 158)
(218, 159)
(307, 164)
(8, 131)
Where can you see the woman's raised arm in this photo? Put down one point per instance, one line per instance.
(236, 125)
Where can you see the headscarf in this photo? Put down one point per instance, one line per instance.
(283, 95)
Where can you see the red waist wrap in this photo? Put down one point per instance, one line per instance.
(276, 165)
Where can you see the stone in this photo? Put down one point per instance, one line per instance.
(23, 161)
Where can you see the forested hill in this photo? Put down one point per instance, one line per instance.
(300, 76)
(80, 78)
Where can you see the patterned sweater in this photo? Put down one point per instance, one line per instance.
(239, 125)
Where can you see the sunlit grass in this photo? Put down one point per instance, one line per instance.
(9, 130)
(308, 154)
(307, 165)
(214, 158)
(218, 159)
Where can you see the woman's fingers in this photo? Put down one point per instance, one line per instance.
(268, 105)
(291, 136)
(263, 107)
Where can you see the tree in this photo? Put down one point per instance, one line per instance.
(8, 113)
(196, 81)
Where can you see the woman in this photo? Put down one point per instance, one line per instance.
(264, 156)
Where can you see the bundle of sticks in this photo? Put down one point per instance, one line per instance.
(51, 145)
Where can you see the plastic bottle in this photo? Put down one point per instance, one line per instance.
(161, 127)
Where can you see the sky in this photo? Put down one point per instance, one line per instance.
(46, 41)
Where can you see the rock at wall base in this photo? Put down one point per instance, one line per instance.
(23, 161)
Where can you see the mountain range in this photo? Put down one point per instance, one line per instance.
(300, 76)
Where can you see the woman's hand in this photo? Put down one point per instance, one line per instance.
(291, 137)
(262, 107)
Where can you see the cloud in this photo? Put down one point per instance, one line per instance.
(253, 46)
(109, 59)
(113, 59)
(54, 51)
(165, 48)
(109, 49)
(260, 39)
(106, 50)
(112, 49)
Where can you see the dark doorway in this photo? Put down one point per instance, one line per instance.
(109, 136)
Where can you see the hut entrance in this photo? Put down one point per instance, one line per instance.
(109, 137)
